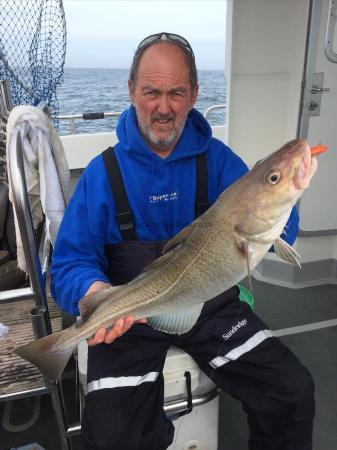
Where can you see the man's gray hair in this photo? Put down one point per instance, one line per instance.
(189, 58)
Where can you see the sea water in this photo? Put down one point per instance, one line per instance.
(106, 90)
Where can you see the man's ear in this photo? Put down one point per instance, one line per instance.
(131, 88)
(195, 95)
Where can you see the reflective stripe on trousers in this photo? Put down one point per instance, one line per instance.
(234, 354)
(117, 382)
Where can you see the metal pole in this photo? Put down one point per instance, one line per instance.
(212, 108)
(16, 294)
(24, 394)
(6, 102)
(39, 328)
(59, 411)
(72, 126)
(38, 321)
(20, 197)
(39, 315)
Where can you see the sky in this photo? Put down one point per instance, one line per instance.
(105, 33)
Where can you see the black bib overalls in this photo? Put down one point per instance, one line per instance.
(124, 404)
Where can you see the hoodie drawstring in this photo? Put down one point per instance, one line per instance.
(170, 225)
(147, 203)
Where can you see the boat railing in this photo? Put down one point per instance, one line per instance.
(72, 118)
(212, 108)
(37, 278)
(25, 222)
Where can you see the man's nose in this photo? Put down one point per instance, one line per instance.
(164, 105)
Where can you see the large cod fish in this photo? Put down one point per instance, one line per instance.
(206, 258)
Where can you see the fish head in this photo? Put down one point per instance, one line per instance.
(273, 187)
(283, 176)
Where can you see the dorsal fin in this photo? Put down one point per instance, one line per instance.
(88, 304)
(179, 238)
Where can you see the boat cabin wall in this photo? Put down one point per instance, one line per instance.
(267, 58)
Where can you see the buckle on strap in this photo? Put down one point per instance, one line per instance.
(125, 220)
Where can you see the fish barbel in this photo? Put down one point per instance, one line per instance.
(203, 260)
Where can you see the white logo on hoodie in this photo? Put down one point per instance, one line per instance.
(155, 198)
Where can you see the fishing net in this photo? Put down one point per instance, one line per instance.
(3, 165)
(32, 49)
(32, 53)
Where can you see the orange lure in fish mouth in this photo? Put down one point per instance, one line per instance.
(318, 149)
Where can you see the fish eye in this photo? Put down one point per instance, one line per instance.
(273, 177)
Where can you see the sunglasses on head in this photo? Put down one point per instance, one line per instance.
(170, 37)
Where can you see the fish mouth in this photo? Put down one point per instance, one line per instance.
(306, 169)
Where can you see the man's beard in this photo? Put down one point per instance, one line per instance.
(150, 136)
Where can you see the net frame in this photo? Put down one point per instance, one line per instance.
(32, 50)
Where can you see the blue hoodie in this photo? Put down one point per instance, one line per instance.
(161, 193)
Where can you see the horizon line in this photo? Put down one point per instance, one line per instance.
(125, 68)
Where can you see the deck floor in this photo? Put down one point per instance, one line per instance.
(280, 308)
(16, 374)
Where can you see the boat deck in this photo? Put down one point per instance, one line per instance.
(287, 310)
(16, 374)
(281, 308)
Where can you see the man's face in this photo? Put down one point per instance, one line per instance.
(162, 96)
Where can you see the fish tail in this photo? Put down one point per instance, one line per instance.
(41, 353)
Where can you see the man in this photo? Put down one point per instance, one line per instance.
(108, 235)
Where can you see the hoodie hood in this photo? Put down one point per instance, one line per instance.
(194, 139)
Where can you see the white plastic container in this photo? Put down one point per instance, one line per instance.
(197, 430)
(176, 364)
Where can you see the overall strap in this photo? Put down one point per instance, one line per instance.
(124, 215)
(201, 197)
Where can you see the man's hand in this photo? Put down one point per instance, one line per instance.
(97, 286)
(118, 328)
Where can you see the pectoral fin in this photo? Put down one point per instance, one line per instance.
(246, 249)
(177, 322)
(286, 252)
